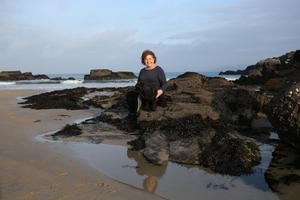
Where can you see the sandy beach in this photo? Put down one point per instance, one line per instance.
(35, 170)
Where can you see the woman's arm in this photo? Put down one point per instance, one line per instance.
(162, 80)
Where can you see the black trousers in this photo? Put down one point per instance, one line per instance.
(136, 100)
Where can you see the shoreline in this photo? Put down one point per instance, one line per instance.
(34, 170)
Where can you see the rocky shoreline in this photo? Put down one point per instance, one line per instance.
(207, 121)
(95, 75)
(18, 75)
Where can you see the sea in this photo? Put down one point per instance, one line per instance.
(51, 85)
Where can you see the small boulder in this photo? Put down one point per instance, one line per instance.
(228, 154)
(106, 74)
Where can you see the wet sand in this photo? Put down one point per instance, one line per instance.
(34, 170)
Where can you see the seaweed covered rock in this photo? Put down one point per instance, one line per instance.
(283, 174)
(236, 106)
(77, 98)
(106, 100)
(67, 99)
(284, 113)
(18, 75)
(228, 154)
(273, 74)
(193, 140)
(68, 131)
(198, 109)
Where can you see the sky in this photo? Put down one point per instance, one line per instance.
(75, 36)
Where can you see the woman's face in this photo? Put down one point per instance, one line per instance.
(149, 61)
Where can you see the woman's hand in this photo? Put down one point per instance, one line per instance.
(159, 93)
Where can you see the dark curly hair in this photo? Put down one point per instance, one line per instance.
(146, 53)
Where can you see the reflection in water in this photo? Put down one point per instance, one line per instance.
(150, 183)
(172, 181)
(144, 168)
(257, 179)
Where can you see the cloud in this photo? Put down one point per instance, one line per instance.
(212, 37)
(242, 34)
(46, 51)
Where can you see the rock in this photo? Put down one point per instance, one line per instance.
(123, 123)
(261, 124)
(65, 99)
(273, 74)
(18, 75)
(269, 62)
(228, 154)
(106, 74)
(125, 75)
(273, 85)
(187, 127)
(156, 148)
(283, 112)
(197, 108)
(232, 72)
(236, 106)
(68, 131)
(283, 174)
(188, 80)
(257, 73)
(104, 101)
(40, 76)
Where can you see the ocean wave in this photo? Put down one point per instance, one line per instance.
(38, 81)
(111, 81)
(7, 82)
(72, 81)
(230, 77)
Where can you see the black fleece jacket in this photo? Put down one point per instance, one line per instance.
(155, 78)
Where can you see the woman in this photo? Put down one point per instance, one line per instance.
(151, 85)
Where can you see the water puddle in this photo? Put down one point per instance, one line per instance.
(172, 181)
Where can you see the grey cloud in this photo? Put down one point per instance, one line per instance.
(242, 35)
(31, 49)
(239, 35)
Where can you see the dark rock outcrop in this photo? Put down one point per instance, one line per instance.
(77, 98)
(68, 131)
(275, 73)
(66, 99)
(233, 72)
(106, 74)
(18, 75)
(198, 111)
(284, 113)
(228, 154)
(284, 170)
